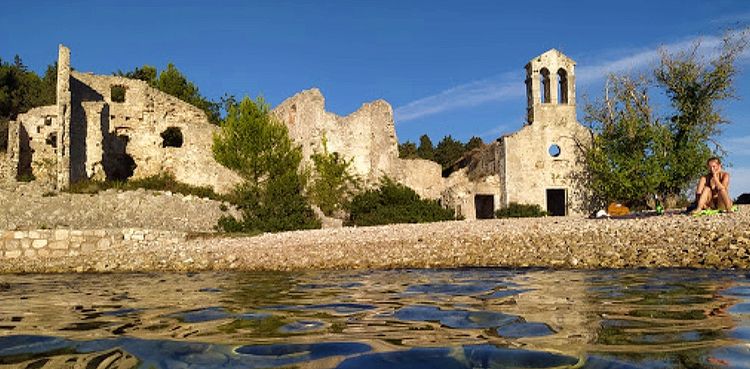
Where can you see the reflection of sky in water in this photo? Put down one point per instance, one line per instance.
(394, 319)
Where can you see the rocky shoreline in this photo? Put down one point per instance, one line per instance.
(673, 240)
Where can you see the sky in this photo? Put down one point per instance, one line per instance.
(447, 67)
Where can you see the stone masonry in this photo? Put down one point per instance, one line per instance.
(115, 128)
(109, 127)
(539, 164)
(367, 137)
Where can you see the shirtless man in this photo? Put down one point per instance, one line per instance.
(713, 188)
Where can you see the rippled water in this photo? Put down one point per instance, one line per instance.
(474, 318)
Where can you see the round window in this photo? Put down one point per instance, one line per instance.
(554, 151)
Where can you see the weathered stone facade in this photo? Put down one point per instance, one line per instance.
(539, 164)
(109, 127)
(367, 137)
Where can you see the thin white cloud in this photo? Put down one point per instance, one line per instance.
(736, 146)
(509, 85)
(504, 86)
(646, 58)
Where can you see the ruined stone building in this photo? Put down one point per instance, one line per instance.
(115, 128)
(367, 137)
(539, 164)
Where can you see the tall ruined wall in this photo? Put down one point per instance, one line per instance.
(531, 169)
(63, 117)
(367, 137)
(36, 145)
(111, 138)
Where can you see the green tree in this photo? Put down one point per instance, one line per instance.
(407, 150)
(695, 87)
(257, 147)
(448, 151)
(627, 156)
(147, 73)
(474, 142)
(426, 150)
(635, 153)
(333, 185)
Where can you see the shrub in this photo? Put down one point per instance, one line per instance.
(159, 182)
(392, 203)
(515, 210)
(333, 186)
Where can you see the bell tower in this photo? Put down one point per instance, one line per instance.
(550, 88)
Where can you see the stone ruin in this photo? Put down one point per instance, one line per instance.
(115, 128)
(111, 128)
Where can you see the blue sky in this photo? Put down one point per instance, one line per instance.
(447, 67)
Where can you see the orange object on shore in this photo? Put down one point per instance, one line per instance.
(615, 209)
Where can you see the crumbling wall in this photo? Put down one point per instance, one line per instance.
(123, 136)
(7, 160)
(423, 176)
(367, 136)
(461, 190)
(36, 147)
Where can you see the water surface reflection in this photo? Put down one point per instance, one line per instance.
(473, 318)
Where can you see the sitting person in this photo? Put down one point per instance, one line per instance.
(713, 189)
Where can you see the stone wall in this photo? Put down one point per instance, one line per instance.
(36, 145)
(26, 206)
(43, 243)
(129, 133)
(7, 169)
(423, 176)
(531, 169)
(91, 134)
(367, 137)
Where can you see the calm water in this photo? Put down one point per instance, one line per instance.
(475, 318)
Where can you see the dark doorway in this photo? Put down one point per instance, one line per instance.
(556, 202)
(25, 155)
(118, 165)
(485, 206)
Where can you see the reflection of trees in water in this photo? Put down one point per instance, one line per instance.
(675, 323)
(260, 289)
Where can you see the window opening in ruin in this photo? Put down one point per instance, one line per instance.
(554, 150)
(562, 86)
(51, 139)
(172, 137)
(118, 93)
(485, 206)
(544, 87)
(556, 202)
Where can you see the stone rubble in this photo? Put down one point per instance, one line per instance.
(30, 207)
(721, 241)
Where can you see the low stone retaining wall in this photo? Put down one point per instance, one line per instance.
(45, 243)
